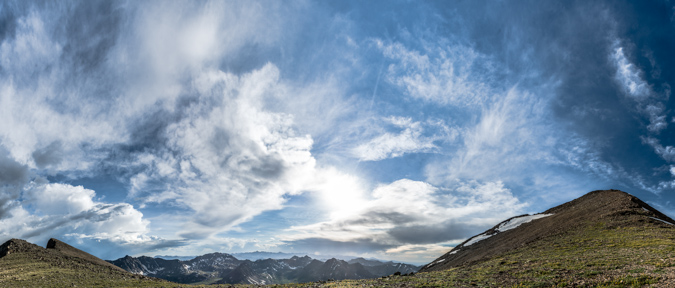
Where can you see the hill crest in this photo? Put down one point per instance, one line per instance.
(17, 246)
(613, 207)
(28, 265)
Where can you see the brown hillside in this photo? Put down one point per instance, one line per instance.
(612, 208)
(71, 251)
(14, 246)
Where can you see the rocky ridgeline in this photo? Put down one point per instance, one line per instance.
(226, 269)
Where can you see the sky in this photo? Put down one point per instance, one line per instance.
(387, 129)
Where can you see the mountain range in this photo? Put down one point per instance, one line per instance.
(226, 269)
(257, 255)
(605, 238)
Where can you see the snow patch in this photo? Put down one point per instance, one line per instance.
(508, 225)
(664, 221)
(515, 222)
(479, 237)
(454, 252)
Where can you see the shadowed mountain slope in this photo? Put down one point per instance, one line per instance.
(78, 254)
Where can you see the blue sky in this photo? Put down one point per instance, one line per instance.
(388, 129)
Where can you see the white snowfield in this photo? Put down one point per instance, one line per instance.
(479, 237)
(508, 225)
(515, 222)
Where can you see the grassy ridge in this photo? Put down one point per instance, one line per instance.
(595, 255)
(619, 246)
(34, 266)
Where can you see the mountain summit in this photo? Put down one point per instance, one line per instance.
(611, 209)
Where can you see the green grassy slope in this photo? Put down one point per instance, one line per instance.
(29, 265)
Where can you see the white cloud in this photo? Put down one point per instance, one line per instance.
(667, 152)
(510, 134)
(31, 117)
(230, 162)
(31, 48)
(220, 153)
(410, 139)
(59, 199)
(170, 42)
(53, 209)
(629, 76)
(657, 121)
(413, 253)
(439, 74)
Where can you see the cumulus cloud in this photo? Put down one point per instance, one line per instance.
(220, 159)
(161, 113)
(61, 210)
(59, 199)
